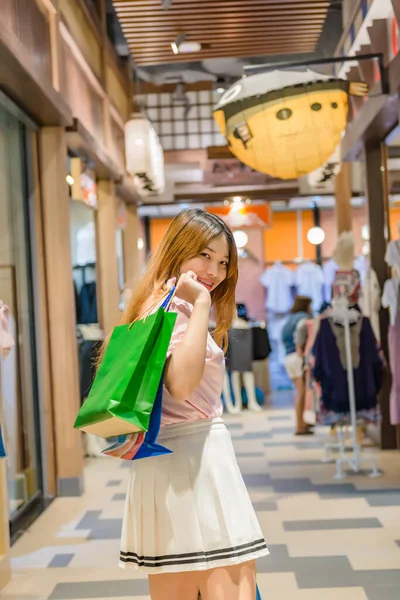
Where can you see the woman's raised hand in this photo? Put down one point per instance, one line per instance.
(190, 290)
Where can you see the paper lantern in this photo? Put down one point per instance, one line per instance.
(144, 155)
(285, 124)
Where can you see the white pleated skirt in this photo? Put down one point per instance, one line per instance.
(190, 510)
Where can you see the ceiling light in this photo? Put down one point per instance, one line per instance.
(316, 235)
(140, 244)
(220, 90)
(226, 202)
(70, 180)
(248, 201)
(188, 47)
(237, 199)
(175, 48)
(241, 239)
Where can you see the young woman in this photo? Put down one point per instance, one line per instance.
(294, 337)
(189, 522)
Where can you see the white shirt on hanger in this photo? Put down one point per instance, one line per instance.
(309, 281)
(392, 256)
(390, 297)
(86, 244)
(278, 281)
(370, 301)
(329, 270)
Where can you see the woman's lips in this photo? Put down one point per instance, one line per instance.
(205, 283)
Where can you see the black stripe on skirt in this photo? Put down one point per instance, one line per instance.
(193, 557)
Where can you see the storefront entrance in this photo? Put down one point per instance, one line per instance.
(18, 370)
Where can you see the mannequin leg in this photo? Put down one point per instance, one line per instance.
(226, 389)
(237, 390)
(250, 386)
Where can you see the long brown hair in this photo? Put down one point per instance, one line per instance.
(188, 234)
(301, 304)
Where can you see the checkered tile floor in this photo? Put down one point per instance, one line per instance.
(328, 539)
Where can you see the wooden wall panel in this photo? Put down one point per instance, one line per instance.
(118, 92)
(83, 100)
(84, 34)
(31, 26)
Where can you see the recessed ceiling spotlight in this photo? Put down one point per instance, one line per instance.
(188, 47)
(220, 90)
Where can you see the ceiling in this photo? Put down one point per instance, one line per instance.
(225, 28)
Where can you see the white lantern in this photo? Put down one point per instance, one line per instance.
(316, 235)
(144, 155)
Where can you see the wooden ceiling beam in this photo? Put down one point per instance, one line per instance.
(223, 7)
(146, 50)
(254, 52)
(208, 39)
(201, 34)
(221, 22)
(223, 12)
(178, 3)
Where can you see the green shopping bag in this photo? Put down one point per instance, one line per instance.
(124, 391)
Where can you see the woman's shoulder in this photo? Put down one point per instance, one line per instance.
(181, 306)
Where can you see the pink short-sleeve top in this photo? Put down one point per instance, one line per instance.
(205, 402)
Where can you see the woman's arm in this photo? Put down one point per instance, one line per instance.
(185, 366)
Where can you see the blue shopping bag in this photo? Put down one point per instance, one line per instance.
(2, 449)
(258, 595)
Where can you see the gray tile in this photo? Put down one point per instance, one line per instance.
(114, 483)
(249, 454)
(60, 560)
(100, 529)
(257, 479)
(253, 435)
(69, 487)
(265, 506)
(296, 463)
(279, 418)
(331, 524)
(118, 497)
(234, 425)
(100, 589)
(304, 445)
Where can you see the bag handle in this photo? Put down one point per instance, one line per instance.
(166, 303)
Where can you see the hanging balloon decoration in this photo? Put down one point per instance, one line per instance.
(285, 123)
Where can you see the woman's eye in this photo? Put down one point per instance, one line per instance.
(224, 263)
(205, 255)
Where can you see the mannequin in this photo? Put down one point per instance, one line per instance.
(247, 374)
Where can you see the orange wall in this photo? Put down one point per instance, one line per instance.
(280, 242)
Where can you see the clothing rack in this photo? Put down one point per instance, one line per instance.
(352, 459)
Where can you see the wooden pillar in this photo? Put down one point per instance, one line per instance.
(343, 199)
(107, 263)
(61, 310)
(131, 250)
(378, 204)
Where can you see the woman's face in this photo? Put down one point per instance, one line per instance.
(211, 265)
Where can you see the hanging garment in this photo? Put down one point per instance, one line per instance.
(240, 350)
(6, 339)
(330, 373)
(309, 281)
(278, 281)
(390, 297)
(370, 301)
(392, 256)
(361, 264)
(394, 356)
(329, 270)
(88, 303)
